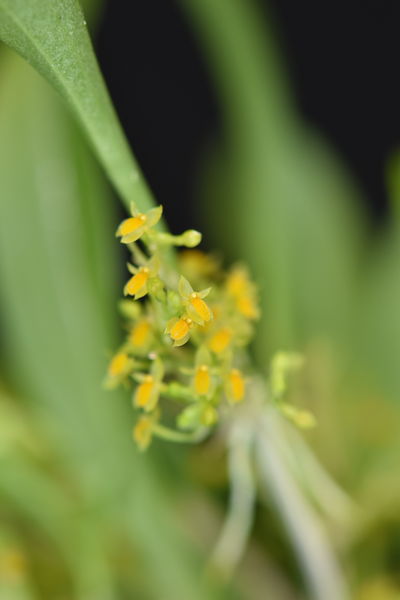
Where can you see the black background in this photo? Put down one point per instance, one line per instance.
(343, 60)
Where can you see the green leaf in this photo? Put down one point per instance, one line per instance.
(52, 36)
(57, 298)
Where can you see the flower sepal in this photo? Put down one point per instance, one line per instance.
(131, 229)
(197, 309)
(148, 391)
(197, 415)
(120, 366)
(178, 329)
(138, 285)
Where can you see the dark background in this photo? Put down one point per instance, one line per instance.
(343, 60)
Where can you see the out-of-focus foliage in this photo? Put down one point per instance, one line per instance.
(329, 282)
(75, 493)
(52, 36)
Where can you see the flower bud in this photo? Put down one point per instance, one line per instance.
(190, 238)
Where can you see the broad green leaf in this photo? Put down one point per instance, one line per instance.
(52, 36)
(58, 269)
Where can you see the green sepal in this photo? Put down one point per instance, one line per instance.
(184, 287)
(190, 417)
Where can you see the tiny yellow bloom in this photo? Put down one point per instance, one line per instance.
(119, 364)
(130, 225)
(220, 340)
(137, 284)
(195, 263)
(237, 282)
(235, 386)
(134, 227)
(202, 380)
(198, 309)
(140, 335)
(247, 306)
(146, 395)
(179, 330)
(142, 432)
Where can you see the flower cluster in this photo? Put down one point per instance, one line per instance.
(185, 347)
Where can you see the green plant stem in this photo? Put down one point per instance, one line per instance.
(178, 436)
(330, 498)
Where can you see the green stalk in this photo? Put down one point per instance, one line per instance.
(171, 435)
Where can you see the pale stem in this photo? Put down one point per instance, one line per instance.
(235, 532)
(331, 499)
(321, 568)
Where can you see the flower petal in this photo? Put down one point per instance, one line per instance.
(184, 287)
(153, 216)
(135, 235)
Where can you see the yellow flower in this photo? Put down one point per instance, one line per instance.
(238, 282)
(146, 395)
(142, 432)
(199, 310)
(148, 391)
(134, 227)
(140, 335)
(220, 340)
(243, 291)
(202, 380)
(196, 308)
(179, 330)
(118, 364)
(137, 284)
(235, 386)
(197, 264)
(247, 306)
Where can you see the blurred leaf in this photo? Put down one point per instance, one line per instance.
(58, 274)
(52, 36)
(292, 207)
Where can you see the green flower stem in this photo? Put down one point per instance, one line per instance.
(179, 392)
(178, 436)
(139, 256)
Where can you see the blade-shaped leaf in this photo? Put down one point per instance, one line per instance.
(52, 36)
(57, 267)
